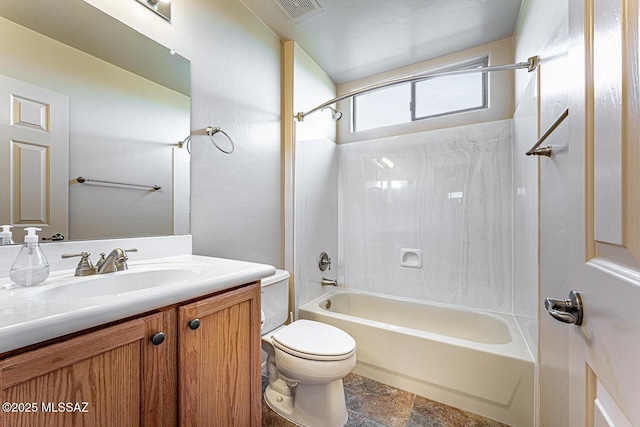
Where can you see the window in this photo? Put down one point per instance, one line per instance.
(432, 97)
(383, 107)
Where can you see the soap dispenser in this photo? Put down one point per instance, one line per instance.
(5, 235)
(31, 266)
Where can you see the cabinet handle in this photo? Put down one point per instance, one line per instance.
(157, 338)
(194, 324)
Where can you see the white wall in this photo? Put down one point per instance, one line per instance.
(448, 194)
(316, 215)
(235, 84)
(122, 128)
(312, 87)
(543, 30)
(316, 180)
(525, 215)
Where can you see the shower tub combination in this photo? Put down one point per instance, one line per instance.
(473, 360)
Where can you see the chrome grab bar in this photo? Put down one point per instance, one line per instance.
(548, 150)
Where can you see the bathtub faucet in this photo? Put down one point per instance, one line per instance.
(324, 262)
(328, 282)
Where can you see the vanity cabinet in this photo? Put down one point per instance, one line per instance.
(113, 376)
(219, 360)
(128, 375)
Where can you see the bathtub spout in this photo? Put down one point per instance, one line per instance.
(328, 282)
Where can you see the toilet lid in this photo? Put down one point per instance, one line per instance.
(314, 340)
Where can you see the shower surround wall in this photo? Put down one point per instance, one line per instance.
(447, 193)
(315, 180)
(316, 216)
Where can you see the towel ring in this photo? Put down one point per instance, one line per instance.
(211, 131)
(186, 143)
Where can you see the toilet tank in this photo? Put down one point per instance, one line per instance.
(275, 300)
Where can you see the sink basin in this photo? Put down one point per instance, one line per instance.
(135, 279)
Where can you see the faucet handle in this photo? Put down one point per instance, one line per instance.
(121, 263)
(85, 267)
(82, 254)
(324, 261)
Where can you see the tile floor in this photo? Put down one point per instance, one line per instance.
(373, 404)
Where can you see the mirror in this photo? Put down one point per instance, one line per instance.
(128, 111)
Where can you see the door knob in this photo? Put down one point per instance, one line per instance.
(568, 311)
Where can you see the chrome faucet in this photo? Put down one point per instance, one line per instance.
(328, 282)
(116, 261)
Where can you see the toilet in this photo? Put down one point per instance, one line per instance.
(306, 361)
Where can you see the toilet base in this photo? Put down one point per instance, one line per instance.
(311, 405)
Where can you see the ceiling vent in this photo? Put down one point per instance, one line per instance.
(298, 9)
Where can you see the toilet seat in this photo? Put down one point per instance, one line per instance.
(312, 340)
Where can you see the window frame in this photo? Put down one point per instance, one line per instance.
(475, 63)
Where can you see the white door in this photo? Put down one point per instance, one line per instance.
(34, 158)
(600, 239)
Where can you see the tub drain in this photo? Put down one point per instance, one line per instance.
(327, 304)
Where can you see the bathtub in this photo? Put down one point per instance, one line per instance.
(473, 360)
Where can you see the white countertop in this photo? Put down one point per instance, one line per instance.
(24, 320)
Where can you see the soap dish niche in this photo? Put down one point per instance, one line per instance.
(411, 258)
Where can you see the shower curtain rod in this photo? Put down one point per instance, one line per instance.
(530, 65)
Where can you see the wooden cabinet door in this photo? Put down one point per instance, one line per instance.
(219, 360)
(112, 377)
